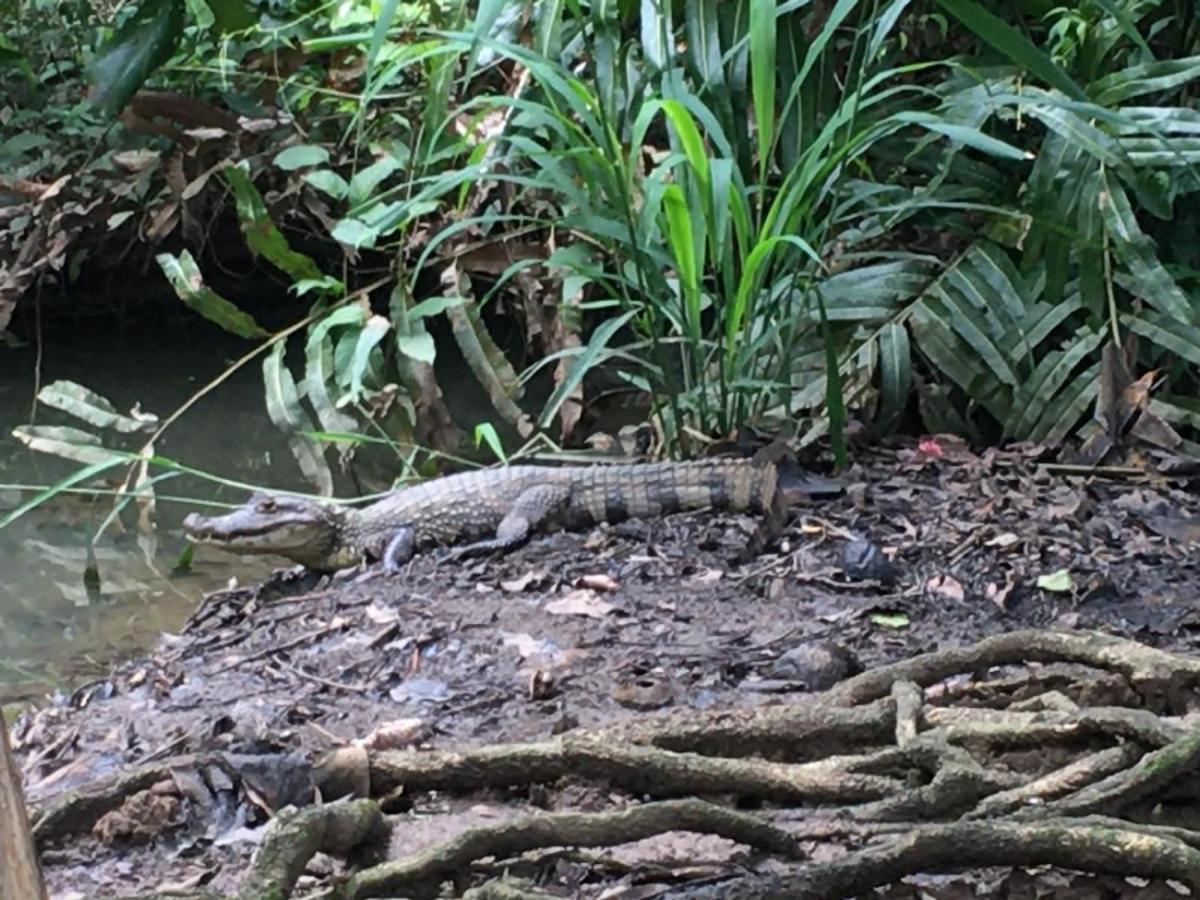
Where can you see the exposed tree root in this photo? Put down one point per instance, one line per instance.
(1150, 774)
(1069, 844)
(295, 837)
(1161, 676)
(663, 773)
(934, 788)
(427, 869)
(1066, 780)
(78, 810)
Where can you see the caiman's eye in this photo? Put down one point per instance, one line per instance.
(266, 505)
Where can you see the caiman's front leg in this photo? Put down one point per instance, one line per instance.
(532, 508)
(400, 549)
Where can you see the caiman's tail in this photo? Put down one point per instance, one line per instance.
(615, 493)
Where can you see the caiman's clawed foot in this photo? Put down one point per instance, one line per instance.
(399, 550)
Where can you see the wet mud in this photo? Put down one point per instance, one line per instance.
(918, 554)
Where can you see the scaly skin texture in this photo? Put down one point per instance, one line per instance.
(496, 508)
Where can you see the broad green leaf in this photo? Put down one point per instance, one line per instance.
(260, 231)
(419, 346)
(145, 41)
(1058, 582)
(895, 373)
(683, 247)
(231, 15)
(1007, 40)
(689, 140)
(893, 620)
(86, 404)
(1045, 385)
(1068, 408)
(962, 134)
(326, 285)
(70, 443)
(329, 182)
(375, 329)
(934, 336)
(1079, 133)
(319, 374)
(432, 306)
(364, 182)
(656, 29)
(1151, 78)
(354, 233)
(486, 360)
(284, 409)
(971, 328)
(1180, 339)
(762, 79)
(1136, 251)
(485, 433)
(301, 156)
(383, 21)
(185, 278)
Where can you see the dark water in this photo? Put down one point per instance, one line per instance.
(52, 633)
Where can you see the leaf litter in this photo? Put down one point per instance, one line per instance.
(588, 630)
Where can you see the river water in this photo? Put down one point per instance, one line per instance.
(52, 632)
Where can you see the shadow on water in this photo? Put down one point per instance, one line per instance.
(52, 634)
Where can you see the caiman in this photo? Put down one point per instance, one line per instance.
(498, 509)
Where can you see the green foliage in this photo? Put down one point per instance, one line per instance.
(765, 213)
(143, 42)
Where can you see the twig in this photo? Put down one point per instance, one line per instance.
(336, 685)
(279, 648)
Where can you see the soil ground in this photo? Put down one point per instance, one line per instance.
(590, 629)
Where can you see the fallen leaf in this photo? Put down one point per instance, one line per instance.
(945, 586)
(708, 576)
(521, 582)
(393, 735)
(1059, 582)
(930, 447)
(1004, 541)
(895, 620)
(527, 645)
(997, 594)
(381, 615)
(581, 602)
(600, 582)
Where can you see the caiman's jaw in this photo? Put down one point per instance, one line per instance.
(301, 530)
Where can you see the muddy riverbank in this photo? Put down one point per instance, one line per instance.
(594, 631)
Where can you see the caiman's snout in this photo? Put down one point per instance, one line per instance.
(299, 529)
(201, 529)
(193, 525)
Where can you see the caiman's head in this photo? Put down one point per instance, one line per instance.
(301, 530)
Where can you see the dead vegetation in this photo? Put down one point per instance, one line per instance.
(630, 714)
(905, 774)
